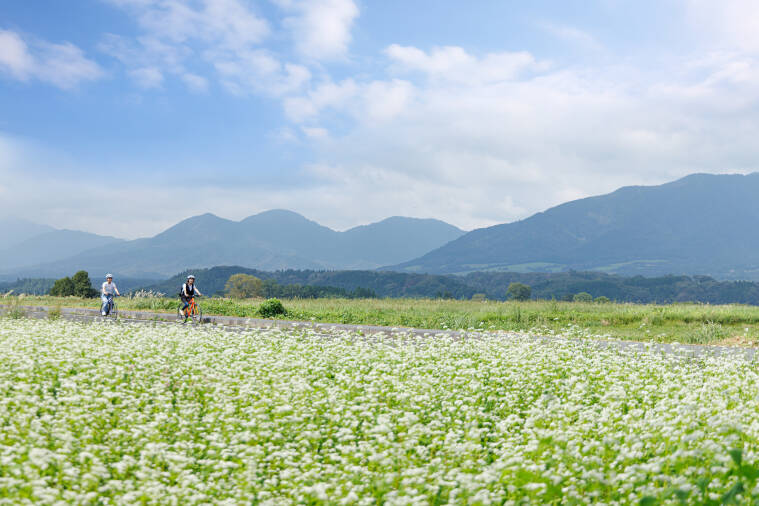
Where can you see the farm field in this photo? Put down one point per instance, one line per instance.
(683, 323)
(116, 414)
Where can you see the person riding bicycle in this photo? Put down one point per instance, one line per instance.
(188, 292)
(106, 294)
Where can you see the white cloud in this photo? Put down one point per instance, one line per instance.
(315, 132)
(476, 143)
(14, 56)
(196, 83)
(323, 96)
(375, 101)
(573, 35)
(189, 39)
(730, 23)
(454, 64)
(258, 71)
(147, 77)
(321, 29)
(229, 23)
(62, 65)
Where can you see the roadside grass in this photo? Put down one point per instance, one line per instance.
(684, 323)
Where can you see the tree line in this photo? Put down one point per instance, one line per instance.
(570, 285)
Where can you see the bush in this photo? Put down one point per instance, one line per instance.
(583, 297)
(244, 286)
(271, 308)
(709, 332)
(479, 297)
(519, 291)
(602, 300)
(55, 313)
(14, 310)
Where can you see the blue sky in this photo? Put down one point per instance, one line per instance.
(125, 116)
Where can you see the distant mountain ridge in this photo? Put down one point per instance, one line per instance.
(16, 230)
(56, 244)
(271, 240)
(700, 224)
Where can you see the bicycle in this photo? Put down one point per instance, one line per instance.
(192, 312)
(110, 307)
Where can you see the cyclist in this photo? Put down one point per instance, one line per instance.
(188, 292)
(106, 294)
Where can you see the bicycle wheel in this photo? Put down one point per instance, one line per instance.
(114, 311)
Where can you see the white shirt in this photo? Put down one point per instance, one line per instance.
(109, 288)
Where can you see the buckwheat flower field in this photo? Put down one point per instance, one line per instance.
(123, 414)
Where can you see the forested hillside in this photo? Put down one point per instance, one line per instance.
(493, 285)
(702, 224)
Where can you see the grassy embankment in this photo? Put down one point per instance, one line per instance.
(684, 323)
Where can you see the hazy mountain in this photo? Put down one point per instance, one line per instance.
(270, 241)
(701, 224)
(398, 237)
(16, 230)
(47, 246)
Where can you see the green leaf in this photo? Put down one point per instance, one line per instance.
(682, 495)
(749, 472)
(737, 455)
(732, 494)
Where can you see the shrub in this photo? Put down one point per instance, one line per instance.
(583, 297)
(709, 332)
(479, 297)
(271, 308)
(519, 291)
(244, 286)
(15, 311)
(602, 300)
(54, 313)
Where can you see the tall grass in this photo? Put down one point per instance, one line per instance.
(698, 323)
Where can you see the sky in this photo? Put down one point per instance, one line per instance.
(122, 117)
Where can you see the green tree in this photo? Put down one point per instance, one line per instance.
(244, 286)
(83, 285)
(63, 287)
(364, 293)
(583, 297)
(519, 291)
(602, 300)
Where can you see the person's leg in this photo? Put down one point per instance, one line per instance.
(185, 303)
(104, 304)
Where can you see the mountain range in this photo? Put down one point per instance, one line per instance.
(700, 224)
(271, 240)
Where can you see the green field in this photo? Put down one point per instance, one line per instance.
(684, 323)
(103, 413)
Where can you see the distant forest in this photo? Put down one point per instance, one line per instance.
(492, 285)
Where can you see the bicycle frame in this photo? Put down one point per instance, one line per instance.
(191, 309)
